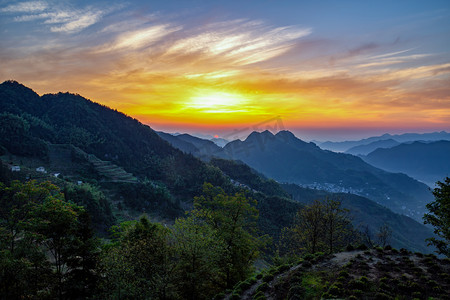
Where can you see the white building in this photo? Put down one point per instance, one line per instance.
(15, 168)
(41, 169)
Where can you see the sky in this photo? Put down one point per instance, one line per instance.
(326, 70)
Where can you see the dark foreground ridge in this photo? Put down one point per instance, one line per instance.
(358, 274)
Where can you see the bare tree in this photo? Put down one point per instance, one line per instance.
(384, 235)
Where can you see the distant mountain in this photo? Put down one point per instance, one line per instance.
(406, 137)
(425, 161)
(201, 148)
(286, 158)
(366, 149)
(220, 141)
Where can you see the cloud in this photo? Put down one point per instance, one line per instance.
(240, 41)
(61, 18)
(25, 7)
(137, 39)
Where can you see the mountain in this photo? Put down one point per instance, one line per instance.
(406, 137)
(201, 148)
(406, 232)
(286, 158)
(36, 122)
(427, 162)
(366, 149)
(220, 142)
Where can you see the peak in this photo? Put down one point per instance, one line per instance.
(286, 134)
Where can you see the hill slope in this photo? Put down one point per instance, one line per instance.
(366, 149)
(65, 118)
(286, 158)
(428, 162)
(370, 274)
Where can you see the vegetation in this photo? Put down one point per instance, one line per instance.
(320, 226)
(439, 217)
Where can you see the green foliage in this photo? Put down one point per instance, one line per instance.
(94, 201)
(47, 245)
(234, 220)
(245, 175)
(439, 217)
(321, 226)
(139, 263)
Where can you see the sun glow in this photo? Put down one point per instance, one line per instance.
(210, 101)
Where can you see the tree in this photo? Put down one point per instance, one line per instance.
(384, 235)
(320, 226)
(139, 264)
(234, 220)
(439, 217)
(198, 251)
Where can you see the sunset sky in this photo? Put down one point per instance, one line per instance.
(323, 69)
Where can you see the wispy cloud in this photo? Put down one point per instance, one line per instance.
(58, 18)
(241, 41)
(25, 7)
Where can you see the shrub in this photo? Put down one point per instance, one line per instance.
(335, 291)
(357, 293)
(262, 287)
(296, 291)
(259, 296)
(283, 268)
(388, 247)
(382, 296)
(259, 276)
(350, 247)
(418, 254)
(362, 247)
(235, 296)
(219, 296)
(308, 257)
(267, 278)
(307, 264)
(344, 273)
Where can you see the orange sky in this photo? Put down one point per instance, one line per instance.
(231, 71)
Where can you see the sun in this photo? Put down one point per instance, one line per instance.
(210, 101)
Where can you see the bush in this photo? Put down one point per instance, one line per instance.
(267, 278)
(262, 287)
(259, 276)
(350, 247)
(296, 291)
(307, 264)
(308, 257)
(382, 296)
(235, 296)
(388, 247)
(219, 296)
(362, 247)
(283, 268)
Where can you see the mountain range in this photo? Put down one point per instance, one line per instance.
(425, 161)
(401, 138)
(286, 158)
(63, 128)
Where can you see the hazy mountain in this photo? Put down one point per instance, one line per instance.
(366, 149)
(406, 137)
(201, 148)
(426, 161)
(220, 141)
(286, 158)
